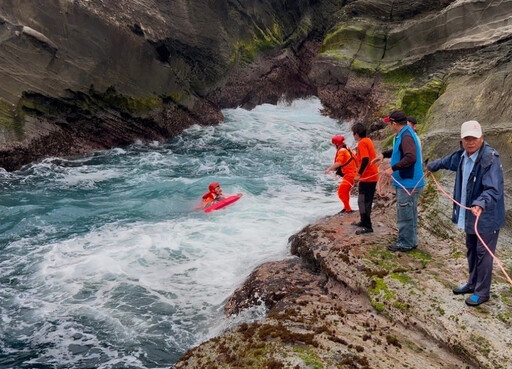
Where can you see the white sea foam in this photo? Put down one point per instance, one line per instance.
(86, 178)
(117, 264)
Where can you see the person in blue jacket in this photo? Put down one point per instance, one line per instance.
(479, 186)
(407, 173)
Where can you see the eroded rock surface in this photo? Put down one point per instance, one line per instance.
(371, 308)
(78, 76)
(112, 64)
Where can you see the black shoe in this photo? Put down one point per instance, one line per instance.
(364, 230)
(463, 290)
(357, 224)
(475, 300)
(395, 247)
(346, 212)
(415, 246)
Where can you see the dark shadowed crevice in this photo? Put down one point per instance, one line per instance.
(163, 53)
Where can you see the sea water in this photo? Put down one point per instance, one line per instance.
(106, 263)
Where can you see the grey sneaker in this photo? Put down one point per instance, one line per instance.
(364, 230)
(395, 247)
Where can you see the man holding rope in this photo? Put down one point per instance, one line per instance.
(479, 189)
(406, 172)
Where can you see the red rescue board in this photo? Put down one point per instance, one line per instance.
(222, 203)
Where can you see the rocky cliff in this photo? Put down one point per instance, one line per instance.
(442, 62)
(347, 302)
(79, 75)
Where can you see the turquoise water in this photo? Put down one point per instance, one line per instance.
(104, 263)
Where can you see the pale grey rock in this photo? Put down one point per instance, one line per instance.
(38, 36)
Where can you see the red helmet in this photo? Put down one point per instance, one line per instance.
(338, 140)
(213, 186)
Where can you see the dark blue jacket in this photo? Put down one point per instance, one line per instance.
(485, 188)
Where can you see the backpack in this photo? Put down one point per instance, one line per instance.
(339, 169)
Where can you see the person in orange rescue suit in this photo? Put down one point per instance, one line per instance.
(345, 165)
(367, 176)
(213, 195)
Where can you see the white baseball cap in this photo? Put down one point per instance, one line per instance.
(471, 128)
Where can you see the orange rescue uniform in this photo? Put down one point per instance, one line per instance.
(346, 159)
(209, 197)
(365, 149)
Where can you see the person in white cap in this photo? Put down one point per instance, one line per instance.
(479, 186)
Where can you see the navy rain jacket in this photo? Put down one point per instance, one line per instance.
(485, 188)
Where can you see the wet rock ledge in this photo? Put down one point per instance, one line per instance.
(345, 301)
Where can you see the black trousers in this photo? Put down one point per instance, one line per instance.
(365, 202)
(480, 261)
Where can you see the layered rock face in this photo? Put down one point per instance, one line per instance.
(442, 62)
(405, 45)
(79, 75)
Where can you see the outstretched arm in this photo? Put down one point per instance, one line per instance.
(332, 167)
(449, 162)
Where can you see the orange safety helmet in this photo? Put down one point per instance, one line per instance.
(338, 140)
(213, 186)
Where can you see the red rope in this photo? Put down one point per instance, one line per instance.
(476, 229)
(386, 179)
(498, 261)
(380, 181)
(413, 189)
